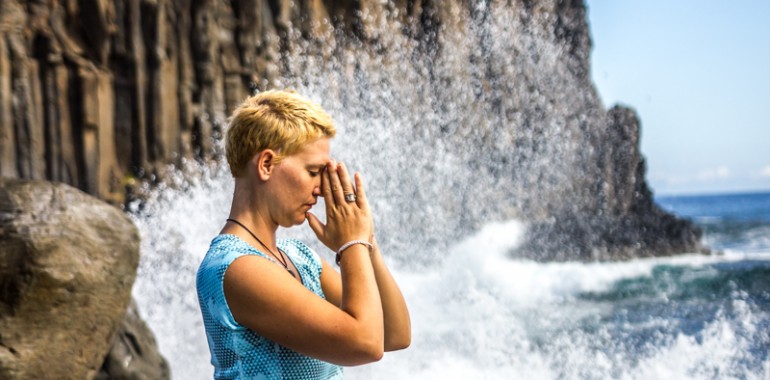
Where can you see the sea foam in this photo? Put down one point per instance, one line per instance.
(476, 312)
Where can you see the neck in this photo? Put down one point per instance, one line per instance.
(247, 210)
(247, 229)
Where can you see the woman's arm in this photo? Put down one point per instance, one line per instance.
(398, 327)
(397, 324)
(263, 297)
(266, 299)
(396, 319)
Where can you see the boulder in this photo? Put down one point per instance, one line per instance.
(67, 264)
(134, 354)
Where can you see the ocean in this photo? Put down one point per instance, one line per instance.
(478, 314)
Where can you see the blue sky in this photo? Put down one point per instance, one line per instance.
(698, 75)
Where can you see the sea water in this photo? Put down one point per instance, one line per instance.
(478, 314)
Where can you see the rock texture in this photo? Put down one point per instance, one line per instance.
(626, 223)
(95, 93)
(134, 354)
(67, 264)
(98, 93)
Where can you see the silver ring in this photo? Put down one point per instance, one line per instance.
(350, 197)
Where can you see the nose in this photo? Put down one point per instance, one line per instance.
(317, 190)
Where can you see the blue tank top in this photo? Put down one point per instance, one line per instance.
(236, 351)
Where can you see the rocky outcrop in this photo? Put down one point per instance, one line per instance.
(67, 264)
(99, 93)
(134, 354)
(625, 222)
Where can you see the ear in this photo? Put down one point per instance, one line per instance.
(265, 162)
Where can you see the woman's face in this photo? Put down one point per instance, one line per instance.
(296, 182)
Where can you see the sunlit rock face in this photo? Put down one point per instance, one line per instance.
(457, 112)
(67, 264)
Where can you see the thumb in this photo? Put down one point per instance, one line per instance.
(315, 224)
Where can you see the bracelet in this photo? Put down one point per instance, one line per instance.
(348, 245)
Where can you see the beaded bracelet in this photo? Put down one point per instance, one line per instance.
(348, 245)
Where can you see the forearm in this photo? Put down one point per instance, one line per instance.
(398, 330)
(360, 296)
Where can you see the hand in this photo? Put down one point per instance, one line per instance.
(345, 221)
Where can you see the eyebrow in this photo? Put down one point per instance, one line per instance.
(316, 166)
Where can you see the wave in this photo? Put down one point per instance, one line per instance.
(479, 314)
(482, 315)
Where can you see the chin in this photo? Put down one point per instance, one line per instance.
(296, 222)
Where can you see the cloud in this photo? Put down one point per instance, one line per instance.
(719, 172)
(765, 172)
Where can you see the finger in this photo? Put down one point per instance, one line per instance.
(362, 201)
(336, 185)
(315, 225)
(326, 189)
(360, 191)
(347, 184)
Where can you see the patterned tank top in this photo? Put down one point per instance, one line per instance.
(236, 351)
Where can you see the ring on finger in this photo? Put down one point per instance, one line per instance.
(350, 197)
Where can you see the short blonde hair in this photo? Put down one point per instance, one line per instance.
(280, 120)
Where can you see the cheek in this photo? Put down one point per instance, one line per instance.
(301, 183)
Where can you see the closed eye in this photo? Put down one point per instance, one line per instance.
(315, 170)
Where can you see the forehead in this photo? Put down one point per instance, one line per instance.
(315, 153)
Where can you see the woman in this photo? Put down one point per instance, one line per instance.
(273, 309)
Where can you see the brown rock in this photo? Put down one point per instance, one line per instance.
(67, 264)
(134, 354)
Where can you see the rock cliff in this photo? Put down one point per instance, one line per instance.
(99, 93)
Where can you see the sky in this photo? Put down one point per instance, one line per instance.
(698, 74)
